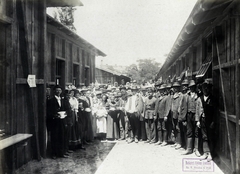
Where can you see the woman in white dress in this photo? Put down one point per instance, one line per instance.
(100, 113)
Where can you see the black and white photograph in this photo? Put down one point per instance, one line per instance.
(119, 86)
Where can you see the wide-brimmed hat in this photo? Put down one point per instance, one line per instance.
(176, 84)
(169, 85)
(185, 82)
(191, 83)
(163, 86)
(208, 81)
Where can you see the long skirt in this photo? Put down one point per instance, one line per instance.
(82, 125)
(90, 128)
(74, 131)
(112, 125)
(94, 125)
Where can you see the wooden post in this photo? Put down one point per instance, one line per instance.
(28, 62)
(237, 92)
(224, 103)
(43, 42)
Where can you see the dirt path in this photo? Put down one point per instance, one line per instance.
(79, 162)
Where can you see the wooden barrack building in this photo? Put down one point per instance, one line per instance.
(208, 47)
(104, 76)
(33, 43)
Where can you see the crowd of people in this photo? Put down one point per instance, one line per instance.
(179, 115)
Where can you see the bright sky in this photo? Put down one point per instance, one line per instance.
(127, 30)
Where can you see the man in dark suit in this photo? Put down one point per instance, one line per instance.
(207, 119)
(57, 110)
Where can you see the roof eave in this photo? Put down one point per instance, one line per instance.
(64, 3)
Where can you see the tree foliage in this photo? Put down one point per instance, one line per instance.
(66, 17)
(145, 70)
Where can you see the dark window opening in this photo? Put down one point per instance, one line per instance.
(75, 74)
(60, 71)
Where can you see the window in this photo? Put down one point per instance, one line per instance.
(75, 74)
(60, 72)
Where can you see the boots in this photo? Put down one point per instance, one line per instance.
(164, 138)
(160, 138)
(178, 141)
(189, 147)
(197, 153)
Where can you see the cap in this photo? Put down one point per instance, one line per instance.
(192, 83)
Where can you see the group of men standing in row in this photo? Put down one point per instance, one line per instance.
(182, 113)
(160, 115)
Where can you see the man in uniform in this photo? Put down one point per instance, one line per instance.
(150, 117)
(176, 98)
(169, 125)
(160, 112)
(182, 118)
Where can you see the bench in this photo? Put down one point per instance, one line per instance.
(12, 140)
